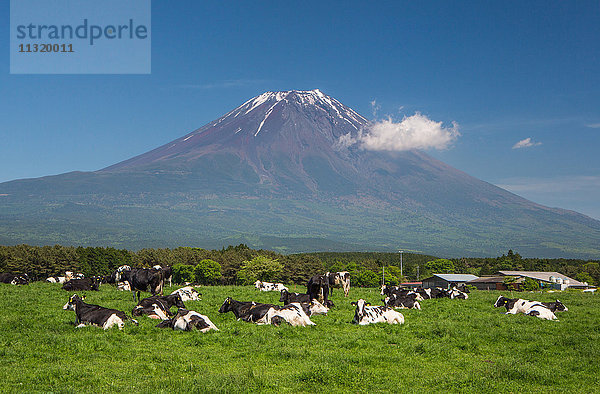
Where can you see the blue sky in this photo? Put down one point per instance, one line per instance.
(504, 71)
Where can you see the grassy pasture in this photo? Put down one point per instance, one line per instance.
(456, 345)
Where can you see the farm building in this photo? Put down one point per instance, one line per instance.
(447, 280)
(488, 283)
(553, 280)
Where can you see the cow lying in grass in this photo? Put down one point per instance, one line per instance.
(95, 314)
(81, 284)
(188, 293)
(542, 310)
(367, 314)
(398, 302)
(21, 279)
(313, 307)
(268, 286)
(158, 307)
(186, 320)
(266, 313)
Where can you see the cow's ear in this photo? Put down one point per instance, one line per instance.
(353, 303)
(368, 303)
(83, 297)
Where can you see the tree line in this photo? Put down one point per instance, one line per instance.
(243, 265)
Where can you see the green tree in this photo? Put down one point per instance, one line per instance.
(530, 285)
(440, 266)
(366, 278)
(259, 268)
(585, 277)
(183, 273)
(207, 272)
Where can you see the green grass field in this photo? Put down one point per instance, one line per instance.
(455, 345)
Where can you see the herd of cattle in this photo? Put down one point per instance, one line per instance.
(296, 310)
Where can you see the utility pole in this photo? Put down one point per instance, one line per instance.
(417, 272)
(401, 251)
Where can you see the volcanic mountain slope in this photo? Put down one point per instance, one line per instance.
(273, 172)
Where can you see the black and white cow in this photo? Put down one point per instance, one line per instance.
(167, 272)
(455, 293)
(188, 293)
(400, 292)
(288, 298)
(340, 280)
(142, 279)
(95, 314)
(555, 306)
(515, 305)
(367, 314)
(245, 310)
(268, 286)
(313, 308)
(158, 307)
(266, 313)
(318, 288)
(20, 279)
(292, 313)
(541, 312)
(400, 302)
(186, 320)
(81, 284)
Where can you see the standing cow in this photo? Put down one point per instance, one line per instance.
(339, 279)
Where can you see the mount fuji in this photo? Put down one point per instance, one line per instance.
(274, 173)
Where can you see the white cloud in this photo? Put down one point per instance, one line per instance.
(413, 132)
(526, 143)
(593, 125)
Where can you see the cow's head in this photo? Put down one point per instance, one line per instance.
(226, 307)
(73, 300)
(360, 310)
(177, 301)
(501, 301)
(561, 307)
(257, 284)
(284, 295)
(383, 288)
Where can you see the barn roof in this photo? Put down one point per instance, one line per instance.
(543, 276)
(489, 279)
(456, 277)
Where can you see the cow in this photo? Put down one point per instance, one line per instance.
(288, 298)
(123, 286)
(186, 320)
(158, 307)
(266, 313)
(95, 314)
(292, 313)
(367, 314)
(19, 279)
(188, 293)
(425, 293)
(540, 311)
(514, 305)
(398, 302)
(245, 310)
(313, 308)
(555, 306)
(167, 271)
(117, 275)
(81, 284)
(268, 286)
(140, 279)
(455, 293)
(318, 288)
(400, 292)
(339, 279)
